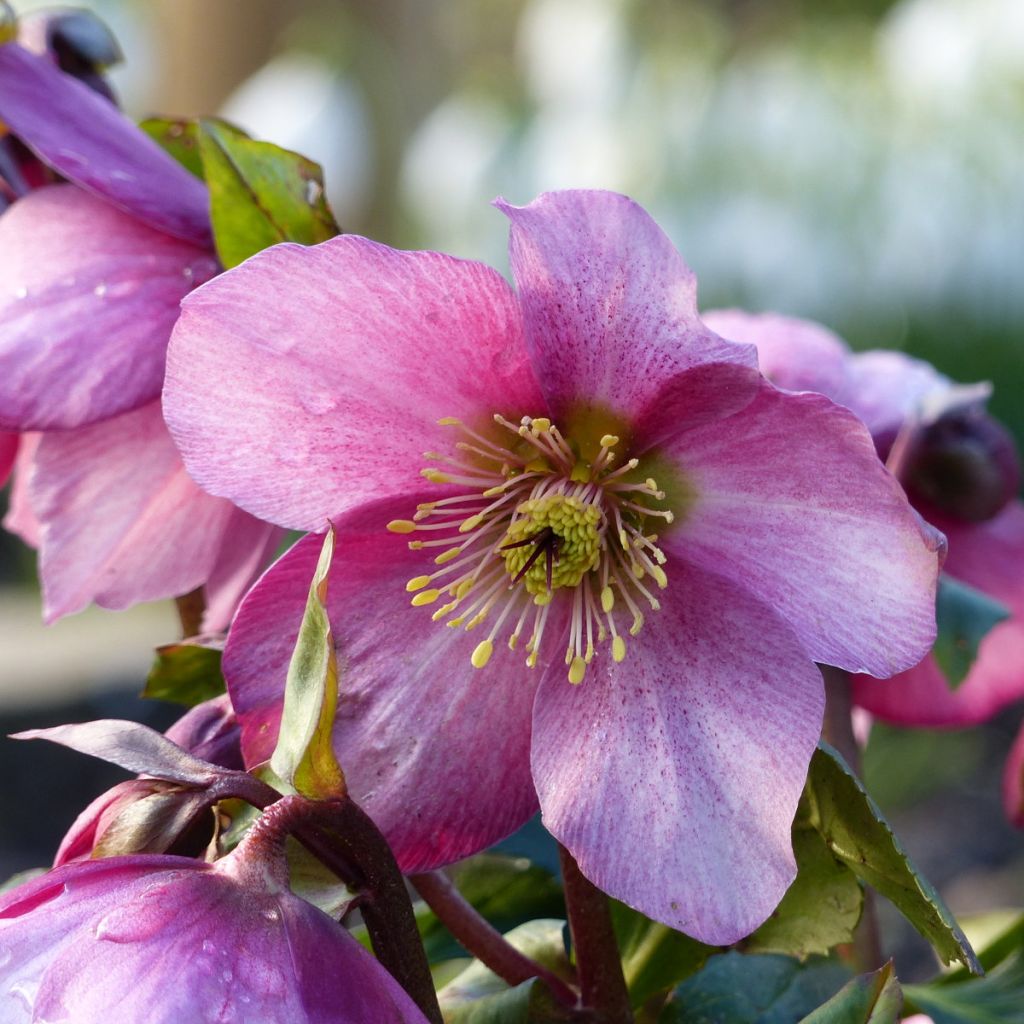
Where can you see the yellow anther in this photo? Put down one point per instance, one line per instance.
(633, 463)
(623, 540)
(463, 589)
(476, 620)
(607, 599)
(426, 506)
(651, 484)
(638, 570)
(449, 421)
(577, 670)
(482, 653)
(580, 473)
(513, 641)
(638, 622)
(446, 556)
(425, 597)
(493, 492)
(669, 518)
(444, 610)
(609, 441)
(541, 424)
(618, 649)
(455, 623)
(531, 659)
(417, 583)
(401, 526)
(471, 523)
(415, 545)
(435, 476)
(659, 576)
(543, 599)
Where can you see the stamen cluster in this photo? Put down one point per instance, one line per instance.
(539, 519)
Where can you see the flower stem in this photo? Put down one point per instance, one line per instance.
(485, 942)
(191, 607)
(838, 730)
(602, 986)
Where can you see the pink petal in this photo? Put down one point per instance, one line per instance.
(121, 520)
(673, 777)
(988, 556)
(798, 355)
(20, 519)
(437, 752)
(8, 455)
(88, 297)
(793, 505)
(1013, 782)
(309, 380)
(89, 141)
(248, 546)
(609, 305)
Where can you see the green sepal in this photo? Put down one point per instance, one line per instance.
(260, 194)
(874, 998)
(304, 757)
(187, 673)
(858, 835)
(964, 616)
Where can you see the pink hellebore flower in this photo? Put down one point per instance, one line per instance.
(154, 939)
(613, 492)
(891, 392)
(90, 282)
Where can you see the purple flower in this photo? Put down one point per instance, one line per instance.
(965, 462)
(665, 541)
(169, 939)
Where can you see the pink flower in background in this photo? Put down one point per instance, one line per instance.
(90, 282)
(613, 492)
(170, 939)
(957, 457)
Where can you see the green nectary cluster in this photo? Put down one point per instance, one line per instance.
(568, 523)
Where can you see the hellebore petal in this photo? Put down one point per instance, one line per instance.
(798, 355)
(166, 939)
(20, 519)
(409, 733)
(609, 306)
(1013, 782)
(88, 297)
(8, 455)
(677, 772)
(851, 567)
(82, 136)
(348, 331)
(987, 556)
(121, 521)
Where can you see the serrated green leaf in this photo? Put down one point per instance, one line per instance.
(478, 996)
(998, 998)
(756, 988)
(304, 756)
(507, 891)
(820, 909)
(177, 136)
(964, 616)
(260, 194)
(874, 998)
(655, 957)
(858, 835)
(186, 673)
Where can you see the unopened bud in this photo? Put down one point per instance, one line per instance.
(964, 464)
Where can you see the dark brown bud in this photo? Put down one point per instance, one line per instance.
(964, 464)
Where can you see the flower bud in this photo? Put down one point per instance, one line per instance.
(963, 464)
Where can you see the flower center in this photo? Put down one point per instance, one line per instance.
(537, 520)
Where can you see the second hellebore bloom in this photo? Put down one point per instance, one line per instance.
(612, 491)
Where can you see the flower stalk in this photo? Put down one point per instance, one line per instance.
(485, 942)
(191, 607)
(598, 963)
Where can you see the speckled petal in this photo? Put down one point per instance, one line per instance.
(309, 380)
(437, 752)
(791, 503)
(674, 776)
(609, 306)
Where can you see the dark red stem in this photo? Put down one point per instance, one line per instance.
(481, 939)
(598, 962)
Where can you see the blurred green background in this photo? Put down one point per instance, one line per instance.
(860, 162)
